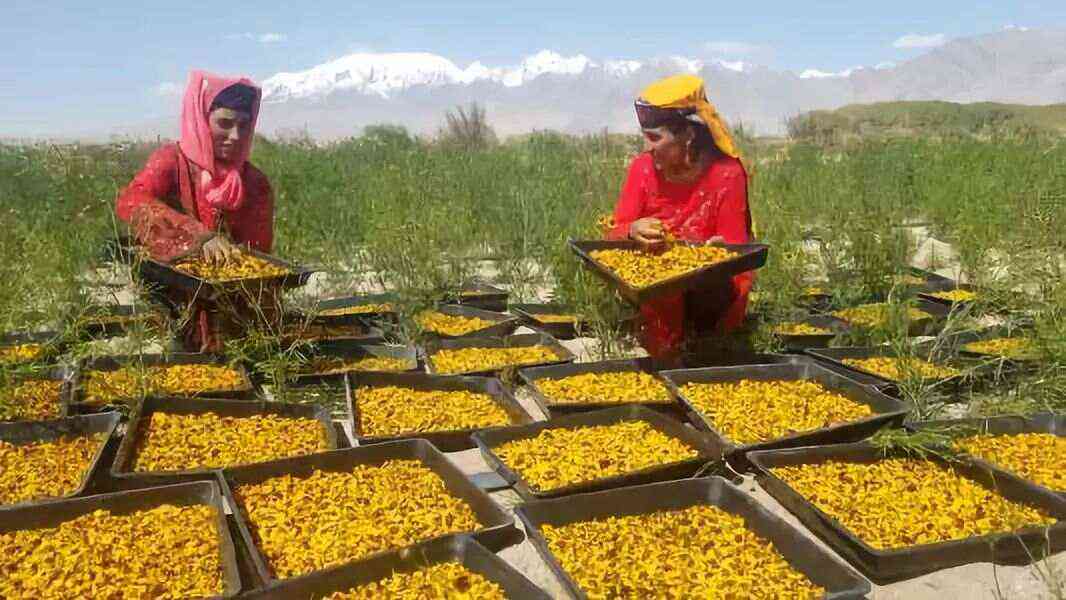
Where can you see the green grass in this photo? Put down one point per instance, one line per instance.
(350, 207)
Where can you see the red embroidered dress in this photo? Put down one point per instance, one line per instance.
(170, 219)
(716, 205)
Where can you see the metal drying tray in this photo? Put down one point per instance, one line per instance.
(496, 522)
(889, 566)
(28, 432)
(123, 470)
(204, 493)
(511, 341)
(708, 450)
(454, 440)
(532, 375)
(888, 412)
(822, 567)
(751, 257)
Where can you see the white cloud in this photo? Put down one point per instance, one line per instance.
(167, 88)
(730, 48)
(915, 40)
(817, 74)
(887, 64)
(262, 38)
(1015, 28)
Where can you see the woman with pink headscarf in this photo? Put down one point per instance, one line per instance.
(201, 196)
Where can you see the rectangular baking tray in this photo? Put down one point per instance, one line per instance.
(889, 566)
(799, 343)
(27, 432)
(61, 374)
(751, 257)
(454, 440)
(888, 412)
(938, 313)
(462, 549)
(836, 356)
(496, 522)
(822, 567)
(708, 450)
(91, 325)
(111, 363)
(161, 274)
(122, 468)
(511, 341)
(354, 349)
(204, 493)
(532, 375)
(562, 331)
(298, 329)
(480, 294)
(51, 340)
(1006, 425)
(503, 324)
(351, 301)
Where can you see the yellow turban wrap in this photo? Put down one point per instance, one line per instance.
(688, 92)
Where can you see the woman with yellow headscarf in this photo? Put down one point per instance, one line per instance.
(688, 183)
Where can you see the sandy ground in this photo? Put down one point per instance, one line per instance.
(971, 582)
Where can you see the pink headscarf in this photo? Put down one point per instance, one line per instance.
(221, 188)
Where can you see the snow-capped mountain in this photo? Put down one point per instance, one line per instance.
(387, 74)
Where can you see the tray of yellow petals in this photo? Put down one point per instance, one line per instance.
(479, 294)
(921, 318)
(640, 275)
(452, 567)
(490, 356)
(561, 322)
(22, 348)
(318, 512)
(763, 407)
(35, 396)
(881, 364)
(46, 460)
(1013, 348)
(363, 306)
(121, 380)
(958, 295)
(250, 272)
(444, 410)
(163, 542)
(581, 387)
(170, 440)
(1032, 448)
(452, 321)
(605, 449)
(697, 538)
(331, 360)
(811, 332)
(896, 516)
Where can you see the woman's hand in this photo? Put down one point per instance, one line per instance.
(648, 231)
(219, 250)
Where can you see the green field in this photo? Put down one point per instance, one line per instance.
(829, 213)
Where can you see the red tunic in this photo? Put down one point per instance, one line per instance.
(168, 218)
(169, 221)
(716, 205)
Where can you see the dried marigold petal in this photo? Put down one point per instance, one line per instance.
(167, 552)
(42, 470)
(749, 412)
(305, 524)
(559, 457)
(446, 580)
(244, 266)
(392, 410)
(710, 554)
(619, 387)
(177, 442)
(1038, 457)
(469, 360)
(454, 325)
(902, 502)
(902, 369)
(1014, 348)
(31, 400)
(642, 269)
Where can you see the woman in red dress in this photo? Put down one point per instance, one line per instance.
(688, 183)
(201, 196)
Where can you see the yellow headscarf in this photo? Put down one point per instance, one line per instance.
(687, 91)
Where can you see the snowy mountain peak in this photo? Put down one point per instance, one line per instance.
(367, 73)
(546, 62)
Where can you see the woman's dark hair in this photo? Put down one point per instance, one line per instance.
(702, 140)
(237, 97)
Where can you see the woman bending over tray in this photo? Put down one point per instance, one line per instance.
(201, 196)
(688, 183)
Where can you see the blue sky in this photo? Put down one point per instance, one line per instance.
(71, 64)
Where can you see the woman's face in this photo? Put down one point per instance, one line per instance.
(229, 132)
(669, 150)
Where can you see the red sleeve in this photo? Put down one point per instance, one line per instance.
(254, 224)
(734, 224)
(166, 233)
(631, 202)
